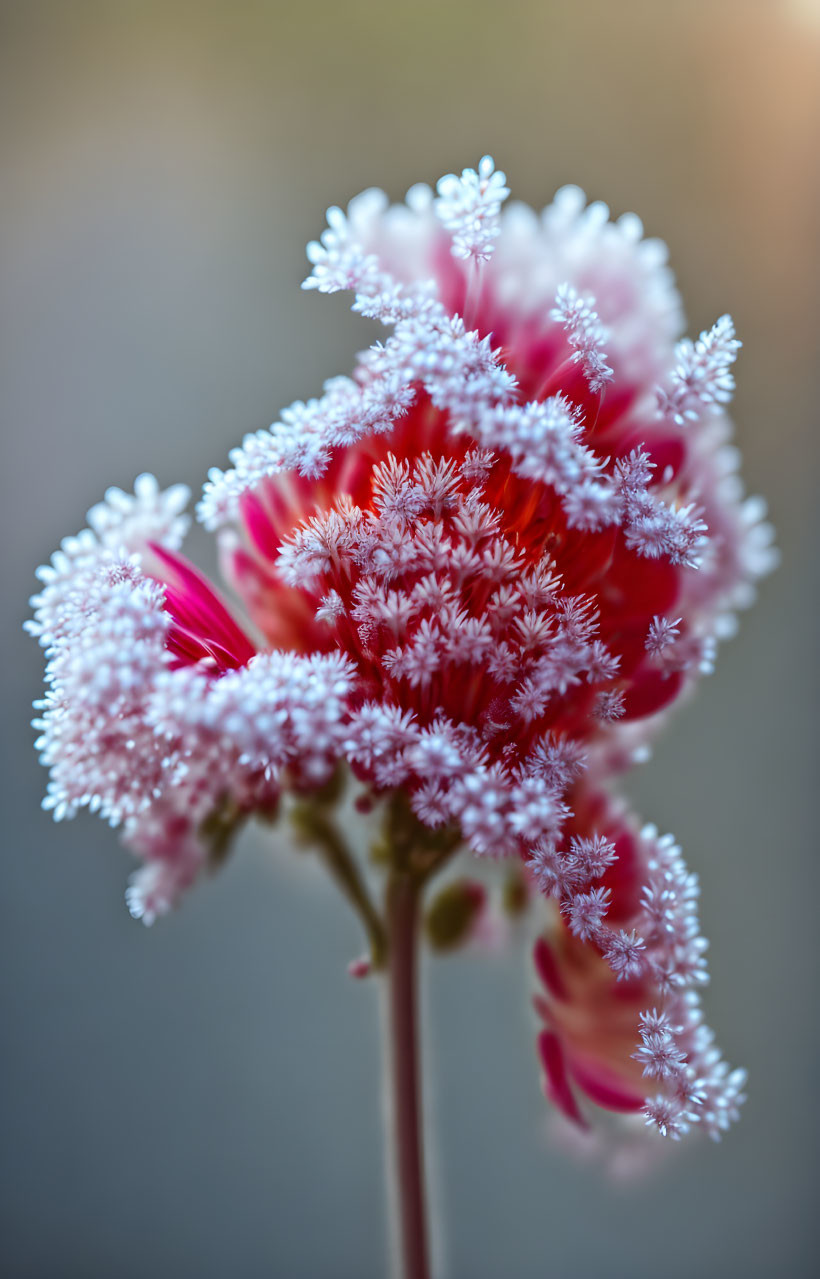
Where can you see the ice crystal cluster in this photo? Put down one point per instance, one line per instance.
(478, 570)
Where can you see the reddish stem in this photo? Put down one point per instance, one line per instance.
(406, 1152)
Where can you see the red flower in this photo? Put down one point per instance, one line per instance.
(482, 564)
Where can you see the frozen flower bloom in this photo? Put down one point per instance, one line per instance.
(623, 1025)
(518, 518)
(488, 559)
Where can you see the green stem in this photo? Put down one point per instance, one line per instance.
(314, 824)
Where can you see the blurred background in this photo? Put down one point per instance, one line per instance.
(202, 1099)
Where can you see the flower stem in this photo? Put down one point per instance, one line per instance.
(316, 825)
(405, 1149)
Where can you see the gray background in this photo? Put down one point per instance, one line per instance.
(202, 1099)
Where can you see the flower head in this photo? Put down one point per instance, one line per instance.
(483, 563)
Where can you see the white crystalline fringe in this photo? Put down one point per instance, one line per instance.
(339, 262)
(131, 521)
(469, 207)
(701, 378)
(282, 711)
(104, 657)
(103, 625)
(122, 523)
(586, 334)
(679, 1049)
(665, 946)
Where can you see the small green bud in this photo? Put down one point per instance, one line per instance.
(514, 895)
(452, 913)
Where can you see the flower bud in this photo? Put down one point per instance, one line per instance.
(453, 913)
